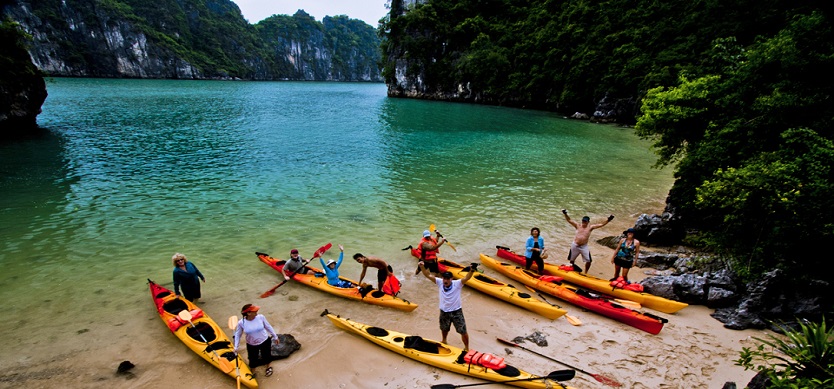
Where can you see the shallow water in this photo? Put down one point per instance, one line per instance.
(131, 171)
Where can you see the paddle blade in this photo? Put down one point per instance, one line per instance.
(272, 291)
(432, 228)
(443, 386)
(507, 342)
(607, 380)
(185, 315)
(629, 304)
(225, 365)
(322, 250)
(573, 320)
(233, 322)
(562, 375)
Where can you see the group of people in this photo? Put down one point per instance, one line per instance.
(260, 334)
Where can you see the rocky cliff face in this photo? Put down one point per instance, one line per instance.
(184, 39)
(22, 88)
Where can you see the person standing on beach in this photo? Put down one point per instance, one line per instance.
(451, 308)
(579, 246)
(187, 277)
(259, 336)
(627, 250)
(533, 250)
(384, 270)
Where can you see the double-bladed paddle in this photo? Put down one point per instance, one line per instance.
(558, 375)
(225, 365)
(317, 254)
(433, 229)
(599, 377)
(573, 320)
(233, 326)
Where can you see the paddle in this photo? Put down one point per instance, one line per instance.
(573, 320)
(223, 362)
(317, 254)
(432, 228)
(233, 326)
(558, 375)
(599, 377)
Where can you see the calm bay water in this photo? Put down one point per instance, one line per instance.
(132, 171)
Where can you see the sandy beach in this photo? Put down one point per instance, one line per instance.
(692, 350)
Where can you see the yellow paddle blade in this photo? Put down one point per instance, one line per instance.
(432, 227)
(185, 315)
(629, 304)
(573, 320)
(233, 322)
(225, 365)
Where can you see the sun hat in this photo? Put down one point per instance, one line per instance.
(447, 274)
(294, 251)
(586, 218)
(426, 233)
(631, 230)
(249, 308)
(330, 262)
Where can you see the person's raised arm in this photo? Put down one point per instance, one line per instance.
(472, 268)
(425, 272)
(595, 226)
(571, 222)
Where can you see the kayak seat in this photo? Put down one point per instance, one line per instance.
(163, 294)
(202, 328)
(376, 331)
(377, 294)
(174, 306)
(229, 355)
(583, 292)
(418, 343)
(218, 346)
(509, 371)
(523, 295)
(486, 279)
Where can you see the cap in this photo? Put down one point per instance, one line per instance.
(294, 251)
(447, 274)
(586, 218)
(631, 230)
(249, 308)
(426, 233)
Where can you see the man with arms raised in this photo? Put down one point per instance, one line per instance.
(451, 310)
(579, 246)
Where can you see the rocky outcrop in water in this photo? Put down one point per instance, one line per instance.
(22, 88)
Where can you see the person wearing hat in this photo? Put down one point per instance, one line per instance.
(451, 309)
(428, 249)
(295, 265)
(627, 250)
(331, 269)
(579, 246)
(259, 335)
(187, 277)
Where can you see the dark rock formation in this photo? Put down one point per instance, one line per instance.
(285, 346)
(22, 88)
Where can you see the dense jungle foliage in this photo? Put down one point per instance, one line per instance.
(212, 35)
(737, 96)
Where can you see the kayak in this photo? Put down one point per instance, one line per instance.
(319, 281)
(600, 285)
(218, 350)
(438, 354)
(579, 297)
(501, 290)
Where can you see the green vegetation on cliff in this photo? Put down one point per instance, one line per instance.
(737, 96)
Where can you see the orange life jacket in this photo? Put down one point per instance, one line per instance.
(428, 255)
(483, 359)
(392, 285)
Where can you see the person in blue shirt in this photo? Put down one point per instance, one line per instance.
(331, 269)
(534, 249)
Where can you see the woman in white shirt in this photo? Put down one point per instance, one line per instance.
(259, 335)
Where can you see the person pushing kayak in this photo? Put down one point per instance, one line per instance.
(451, 310)
(579, 246)
(384, 270)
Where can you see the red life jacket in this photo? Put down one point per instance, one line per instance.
(428, 255)
(175, 322)
(483, 359)
(392, 285)
(549, 278)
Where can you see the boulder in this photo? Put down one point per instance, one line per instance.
(285, 346)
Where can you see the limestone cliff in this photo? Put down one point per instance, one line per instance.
(22, 88)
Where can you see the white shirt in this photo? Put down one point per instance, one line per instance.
(257, 330)
(449, 300)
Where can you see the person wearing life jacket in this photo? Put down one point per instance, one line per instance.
(428, 249)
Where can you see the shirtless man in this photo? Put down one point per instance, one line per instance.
(580, 240)
(383, 269)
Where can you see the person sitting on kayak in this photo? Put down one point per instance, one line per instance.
(294, 265)
(428, 249)
(451, 310)
(331, 268)
(383, 269)
(579, 246)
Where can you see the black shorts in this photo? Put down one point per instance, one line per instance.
(432, 266)
(624, 263)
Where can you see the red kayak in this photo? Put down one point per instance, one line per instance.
(579, 297)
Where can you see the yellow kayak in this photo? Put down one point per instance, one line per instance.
(207, 340)
(318, 281)
(501, 290)
(441, 355)
(600, 285)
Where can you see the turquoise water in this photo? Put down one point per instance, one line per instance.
(131, 171)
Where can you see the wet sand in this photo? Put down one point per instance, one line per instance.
(692, 350)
